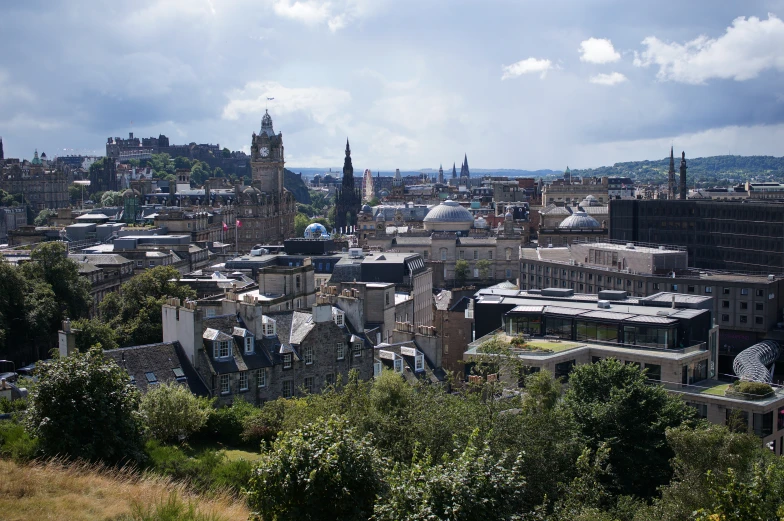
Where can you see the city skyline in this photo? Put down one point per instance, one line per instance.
(413, 86)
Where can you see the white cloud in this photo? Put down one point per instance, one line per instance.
(319, 103)
(336, 14)
(308, 12)
(527, 66)
(748, 47)
(598, 50)
(614, 78)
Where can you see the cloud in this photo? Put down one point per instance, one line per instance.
(527, 66)
(308, 12)
(747, 48)
(318, 103)
(336, 15)
(598, 50)
(614, 78)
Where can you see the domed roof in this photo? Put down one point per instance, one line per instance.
(315, 230)
(449, 211)
(250, 190)
(480, 223)
(380, 216)
(266, 125)
(579, 219)
(131, 193)
(590, 201)
(367, 209)
(508, 215)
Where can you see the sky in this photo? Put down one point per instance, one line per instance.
(413, 84)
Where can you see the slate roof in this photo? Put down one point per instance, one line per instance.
(301, 325)
(442, 300)
(430, 374)
(161, 360)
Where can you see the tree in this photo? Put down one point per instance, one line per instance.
(322, 471)
(226, 152)
(50, 263)
(84, 406)
(740, 499)
(94, 332)
(44, 217)
(301, 222)
(111, 198)
(75, 194)
(483, 266)
(461, 272)
(475, 485)
(135, 312)
(172, 413)
(612, 403)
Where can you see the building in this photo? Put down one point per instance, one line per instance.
(368, 189)
(569, 190)
(669, 335)
(577, 226)
(745, 306)
(348, 198)
(41, 186)
(727, 235)
(106, 273)
(11, 218)
(455, 325)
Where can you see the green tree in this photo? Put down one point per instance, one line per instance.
(51, 264)
(324, 470)
(84, 406)
(111, 198)
(75, 194)
(95, 170)
(461, 272)
(135, 312)
(740, 499)
(476, 484)
(483, 266)
(613, 404)
(44, 217)
(172, 413)
(12, 308)
(301, 222)
(226, 152)
(92, 332)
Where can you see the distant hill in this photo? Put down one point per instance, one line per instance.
(718, 170)
(294, 184)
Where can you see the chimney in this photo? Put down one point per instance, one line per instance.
(322, 313)
(66, 339)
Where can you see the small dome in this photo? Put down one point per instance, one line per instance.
(579, 219)
(380, 216)
(449, 211)
(590, 201)
(328, 179)
(508, 216)
(367, 209)
(480, 223)
(131, 193)
(315, 230)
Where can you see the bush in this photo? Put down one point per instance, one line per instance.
(322, 471)
(8, 406)
(172, 413)
(227, 424)
(16, 443)
(172, 508)
(752, 388)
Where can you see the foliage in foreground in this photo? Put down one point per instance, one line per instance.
(172, 413)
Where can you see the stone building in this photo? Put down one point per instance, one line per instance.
(569, 190)
(42, 187)
(348, 198)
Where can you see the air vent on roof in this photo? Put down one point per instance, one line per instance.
(603, 304)
(663, 313)
(629, 245)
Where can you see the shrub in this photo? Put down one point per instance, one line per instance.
(171, 508)
(752, 388)
(172, 413)
(16, 443)
(227, 424)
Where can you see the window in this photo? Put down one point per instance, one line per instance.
(425, 254)
(139, 264)
(508, 253)
(261, 378)
(287, 388)
(268, 325)
(762, 423)
(758, 306)
(476, 254)
(654, 372)
(248, 344)
(725, 318)
(702, 409)
(387, 299)
(297, 282)
(744, 319)
(508, 274)
(674, 287)
(224, 384)
(329, 379)
(443, 254)
(744, 305)
(744, 291)
(243, 380)
(308, 355)
(151, 378)
(690, 289)
(708, 289)
(461, 255)
(152, 264)
(287, 361)
(725, 304)
(341, 349)
(398, 365)
(309, 384)
(725, 291)
(760, 293)
(339, 319)
(357, 349)
(759, 320)
(656, 286)
(419, 363)
(490, 254)
(220, 349)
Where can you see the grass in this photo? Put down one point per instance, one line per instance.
(81, 492)
(716, 390)
(556, 347)
(237, 454)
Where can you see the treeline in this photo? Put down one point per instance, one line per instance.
(705, 171)
(612, 447)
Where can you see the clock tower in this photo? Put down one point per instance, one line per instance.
(266, 158)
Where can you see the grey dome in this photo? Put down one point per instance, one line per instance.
(449, 212)
(590, 201)
(579, 219)
(367, 209)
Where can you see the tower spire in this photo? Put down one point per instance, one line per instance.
(671, 176)
(348, 148)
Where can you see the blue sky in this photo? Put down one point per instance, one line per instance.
(511, 83)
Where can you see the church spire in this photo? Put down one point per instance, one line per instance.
(348, 170)
(454, 171)
(348, 148)
(1, 149)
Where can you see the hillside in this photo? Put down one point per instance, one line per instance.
(40, 491)
(294, 184)
(714, 170)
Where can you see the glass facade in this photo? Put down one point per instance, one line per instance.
(521, 324)
(560, 327)
(650, 336)
(596, 331)
(763, 424)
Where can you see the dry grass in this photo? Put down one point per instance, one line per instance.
(76, 492)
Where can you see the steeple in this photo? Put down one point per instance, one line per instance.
(2, 156)
(266, 124)
(683, 176)
(454, 171)
(464, 172)
(348, 170)
(441, 174)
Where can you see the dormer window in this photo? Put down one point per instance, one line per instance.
(220, 349)
(268, 326)
(287, 361)
(419, 363)
(398, 365)
(338, 317)
(249, 344)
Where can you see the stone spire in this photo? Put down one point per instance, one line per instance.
(464, 172)
(454, 171)
(671, 176)
(2, 156)
(266, 125)
(683, 176)
(348, 170)
(440, 173)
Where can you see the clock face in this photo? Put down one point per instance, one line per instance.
(264, 151)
